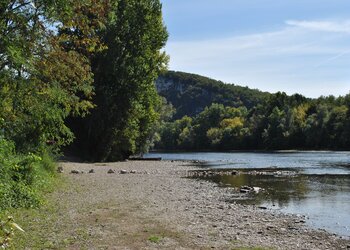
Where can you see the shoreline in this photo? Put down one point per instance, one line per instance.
(156, 151)
(152, 206)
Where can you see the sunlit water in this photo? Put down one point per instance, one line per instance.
(321, 190)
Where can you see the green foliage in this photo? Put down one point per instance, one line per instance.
(155, 239)
(23, 176)
(40, 86)
(45, 76)
(59, 60)
(282, 122)
(174, 134)
(127, 102)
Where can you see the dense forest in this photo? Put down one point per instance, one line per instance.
(215, 116)
(80, 71)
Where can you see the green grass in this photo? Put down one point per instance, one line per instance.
(155, 239)
(36, 220)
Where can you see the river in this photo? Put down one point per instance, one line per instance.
(320, 191)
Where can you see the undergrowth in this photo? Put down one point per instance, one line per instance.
(23, 176)
(24, 180)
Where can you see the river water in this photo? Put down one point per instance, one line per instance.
(320, 190)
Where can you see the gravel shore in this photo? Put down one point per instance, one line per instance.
(151, 205)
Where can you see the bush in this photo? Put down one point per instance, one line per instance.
(22, 176)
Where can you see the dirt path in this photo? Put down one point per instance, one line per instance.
(155, 208)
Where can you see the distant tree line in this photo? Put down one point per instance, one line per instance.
(279, 122)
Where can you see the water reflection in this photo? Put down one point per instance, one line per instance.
(325, 199)
(278, 190)
(344, 165)
(320, 191)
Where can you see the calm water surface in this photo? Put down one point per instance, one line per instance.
(321, 190)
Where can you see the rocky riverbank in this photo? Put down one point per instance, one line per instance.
(150, 205)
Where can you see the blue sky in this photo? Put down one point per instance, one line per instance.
(296, 46)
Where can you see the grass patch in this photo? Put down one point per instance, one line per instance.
(155, 239)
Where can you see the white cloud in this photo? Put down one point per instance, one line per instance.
(296, 58)
(326, 26)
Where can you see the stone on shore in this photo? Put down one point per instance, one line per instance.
(111, 171)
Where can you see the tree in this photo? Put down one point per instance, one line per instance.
(209, 118)
(185, 139)
(345, 137)
(42, 80)
(124, 74)
(276, 133)
(336, 126)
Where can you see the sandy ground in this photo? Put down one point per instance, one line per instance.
(157, 208)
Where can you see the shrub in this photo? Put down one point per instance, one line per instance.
(22, 176)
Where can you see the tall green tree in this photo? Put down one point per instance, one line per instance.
(124, 75)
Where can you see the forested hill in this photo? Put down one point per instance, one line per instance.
(190, 93)
(212, 115)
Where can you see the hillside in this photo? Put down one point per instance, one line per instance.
(226, 117)
(190, 93)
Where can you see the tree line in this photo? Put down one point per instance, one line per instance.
(278, 122)
(80, 71)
